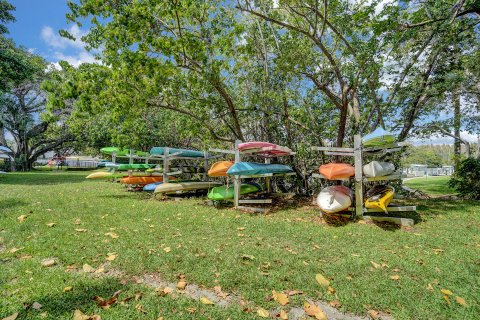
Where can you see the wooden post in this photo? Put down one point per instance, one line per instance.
(268, 186)
(357, 146)
(205, 165)
(114, 157)
(130, 158)
(165, 164)
(237, 181)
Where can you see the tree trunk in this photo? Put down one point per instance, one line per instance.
(456, 127)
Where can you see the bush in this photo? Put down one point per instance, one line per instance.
(466, 179)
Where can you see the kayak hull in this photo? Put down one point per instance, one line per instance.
(177, 152)
(379, 199)
(225, 193)
(185, 186)
(141, 181)
(265, 149)
(334, 199)
(379, 137)
(219, 169)
(378, 169)
(252, 168)
(333, 170)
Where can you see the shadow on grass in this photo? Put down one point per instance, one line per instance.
(62, 305)
(41, 178)
(12, 202)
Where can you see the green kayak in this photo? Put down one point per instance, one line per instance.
(224, 193)
(122, 152)
(135, 166)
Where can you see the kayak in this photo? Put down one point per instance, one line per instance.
(178, 152)
(185, 186)
(135, 166)
(122, 152)
(219, 169)
(334, 199)
(254, 145)
(224, 192)
(141, 181)
(379, 197)
(334, 171)
(100, 175)
(265, 149)
(151, 186)
(379, 137)
(378, 169)
(252, 168)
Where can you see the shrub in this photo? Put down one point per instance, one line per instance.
(466, 179)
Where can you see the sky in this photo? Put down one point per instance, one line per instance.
(39, 21)
(36, 28)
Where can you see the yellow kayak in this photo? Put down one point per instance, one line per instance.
(100, 175)
(379, 197)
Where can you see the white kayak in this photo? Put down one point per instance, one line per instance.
(334, 199)
(378, 169)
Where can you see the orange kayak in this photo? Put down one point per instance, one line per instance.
(142, 181)
(219, 169)
(334, 171)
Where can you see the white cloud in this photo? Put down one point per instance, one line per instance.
(72, 51)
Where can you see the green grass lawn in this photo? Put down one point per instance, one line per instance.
(434, 186)
(247, 255)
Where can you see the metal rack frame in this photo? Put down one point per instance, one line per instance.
(358, 153)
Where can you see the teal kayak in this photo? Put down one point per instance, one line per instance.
(224, 193)
(378, 138)
(252, 168)
(178, 152)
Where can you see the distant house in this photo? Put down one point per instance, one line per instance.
(418, 170)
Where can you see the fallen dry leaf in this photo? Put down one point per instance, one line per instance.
(111, 257)
(167, 249)
(335, 304)
(79, 315)
(112, 235)
(206, 301)
(140, 308)
(395, 277)
(100, 270)
(88, 268)
(67, 289)
(446, 292)
(263, 313)
(22, 218)
(181, 285)
(13, 250)
(374, 314)
(280, 297)
(375, 265)
(460, 301)
(429, 287)
(322, 280)
(331, 290)
(248, 257)
(48, 262)
(191, 310)
(294, 292)
(81, 230)
(283, 315)
(11, 317)
(78, 221)
(51, 224)
(314, 311)
(105, 304)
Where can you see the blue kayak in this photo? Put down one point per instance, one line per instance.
(178, 152)
(252, 168)
(378, 138)
(151, 187)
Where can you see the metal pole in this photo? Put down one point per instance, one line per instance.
(357, 145)
(237, 181)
